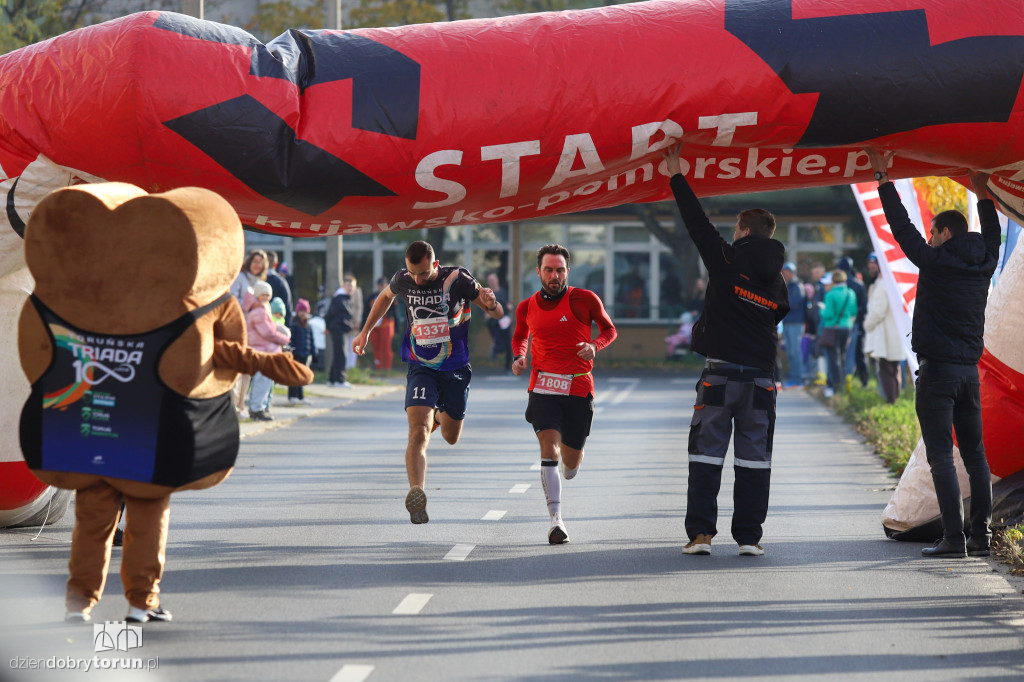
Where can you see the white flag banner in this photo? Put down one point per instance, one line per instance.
(897, 272)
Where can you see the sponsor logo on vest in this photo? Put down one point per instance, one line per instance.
(564, 319)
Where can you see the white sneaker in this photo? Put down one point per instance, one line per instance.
(77, 617)
(293, 401)
(146, 615)
(828, 392)
(345, 384)
(751, 550)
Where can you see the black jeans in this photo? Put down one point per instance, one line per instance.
(948, 398)
(337, 372)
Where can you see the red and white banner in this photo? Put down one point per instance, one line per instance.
(898, 274)
(513, 118)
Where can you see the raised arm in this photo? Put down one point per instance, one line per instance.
(914, 246)
(714, 250)
(987, 216)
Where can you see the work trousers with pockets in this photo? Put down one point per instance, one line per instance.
(97, 508)
(728, 395)
(948, 397)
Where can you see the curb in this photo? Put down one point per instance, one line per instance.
(322, 399)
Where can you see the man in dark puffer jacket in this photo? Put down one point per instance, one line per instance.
(955, 267)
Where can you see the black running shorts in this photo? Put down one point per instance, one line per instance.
(570, 415)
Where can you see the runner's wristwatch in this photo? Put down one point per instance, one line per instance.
(879, 176)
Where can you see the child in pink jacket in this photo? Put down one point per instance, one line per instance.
(264, 335)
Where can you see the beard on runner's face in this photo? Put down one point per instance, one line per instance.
(555, 285)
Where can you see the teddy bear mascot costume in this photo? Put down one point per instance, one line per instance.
(131, 344)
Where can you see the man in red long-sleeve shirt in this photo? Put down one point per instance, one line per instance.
(561, 405)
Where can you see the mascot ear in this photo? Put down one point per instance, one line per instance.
(219, 240)
(146, 245)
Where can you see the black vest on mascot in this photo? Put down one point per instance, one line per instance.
(101, 408)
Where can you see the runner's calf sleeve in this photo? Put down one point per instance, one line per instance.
(552, 484)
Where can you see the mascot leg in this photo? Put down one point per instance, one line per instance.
(145, 544)
(96, 511)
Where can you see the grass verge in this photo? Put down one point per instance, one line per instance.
(892, 430)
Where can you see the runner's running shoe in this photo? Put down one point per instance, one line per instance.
(569, 474)
(77, 617)
(416, 503)
(557, 534)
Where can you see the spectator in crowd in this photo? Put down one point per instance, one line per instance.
(816, 364)
(355, 309)
(854, 362)
(339, 323)
(265, 335)
(793, 327)
(836, 322)
(501, 328)
(302, 346)
(279, 285)
(318, 327)
(881, 336)
(254, 269)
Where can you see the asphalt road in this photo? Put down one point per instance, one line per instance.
(303, 565)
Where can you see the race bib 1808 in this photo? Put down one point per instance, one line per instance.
(553, 384)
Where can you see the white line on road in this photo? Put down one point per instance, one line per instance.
(459, 552)
(519, 488)
(625, 392)
(494, 515)
(412, 604)
(352, 673)
(535, 466)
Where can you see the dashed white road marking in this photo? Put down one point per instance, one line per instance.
(352, 673)
(459, 552)
(412, 604)
(626, 391)
(519, 488)
(494, 515)
(535, 466)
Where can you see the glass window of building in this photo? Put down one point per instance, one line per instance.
(632, 285)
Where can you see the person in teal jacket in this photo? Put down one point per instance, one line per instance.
(839, 314)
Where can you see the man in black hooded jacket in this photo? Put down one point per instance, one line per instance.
(955, 269)
(737, 333)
